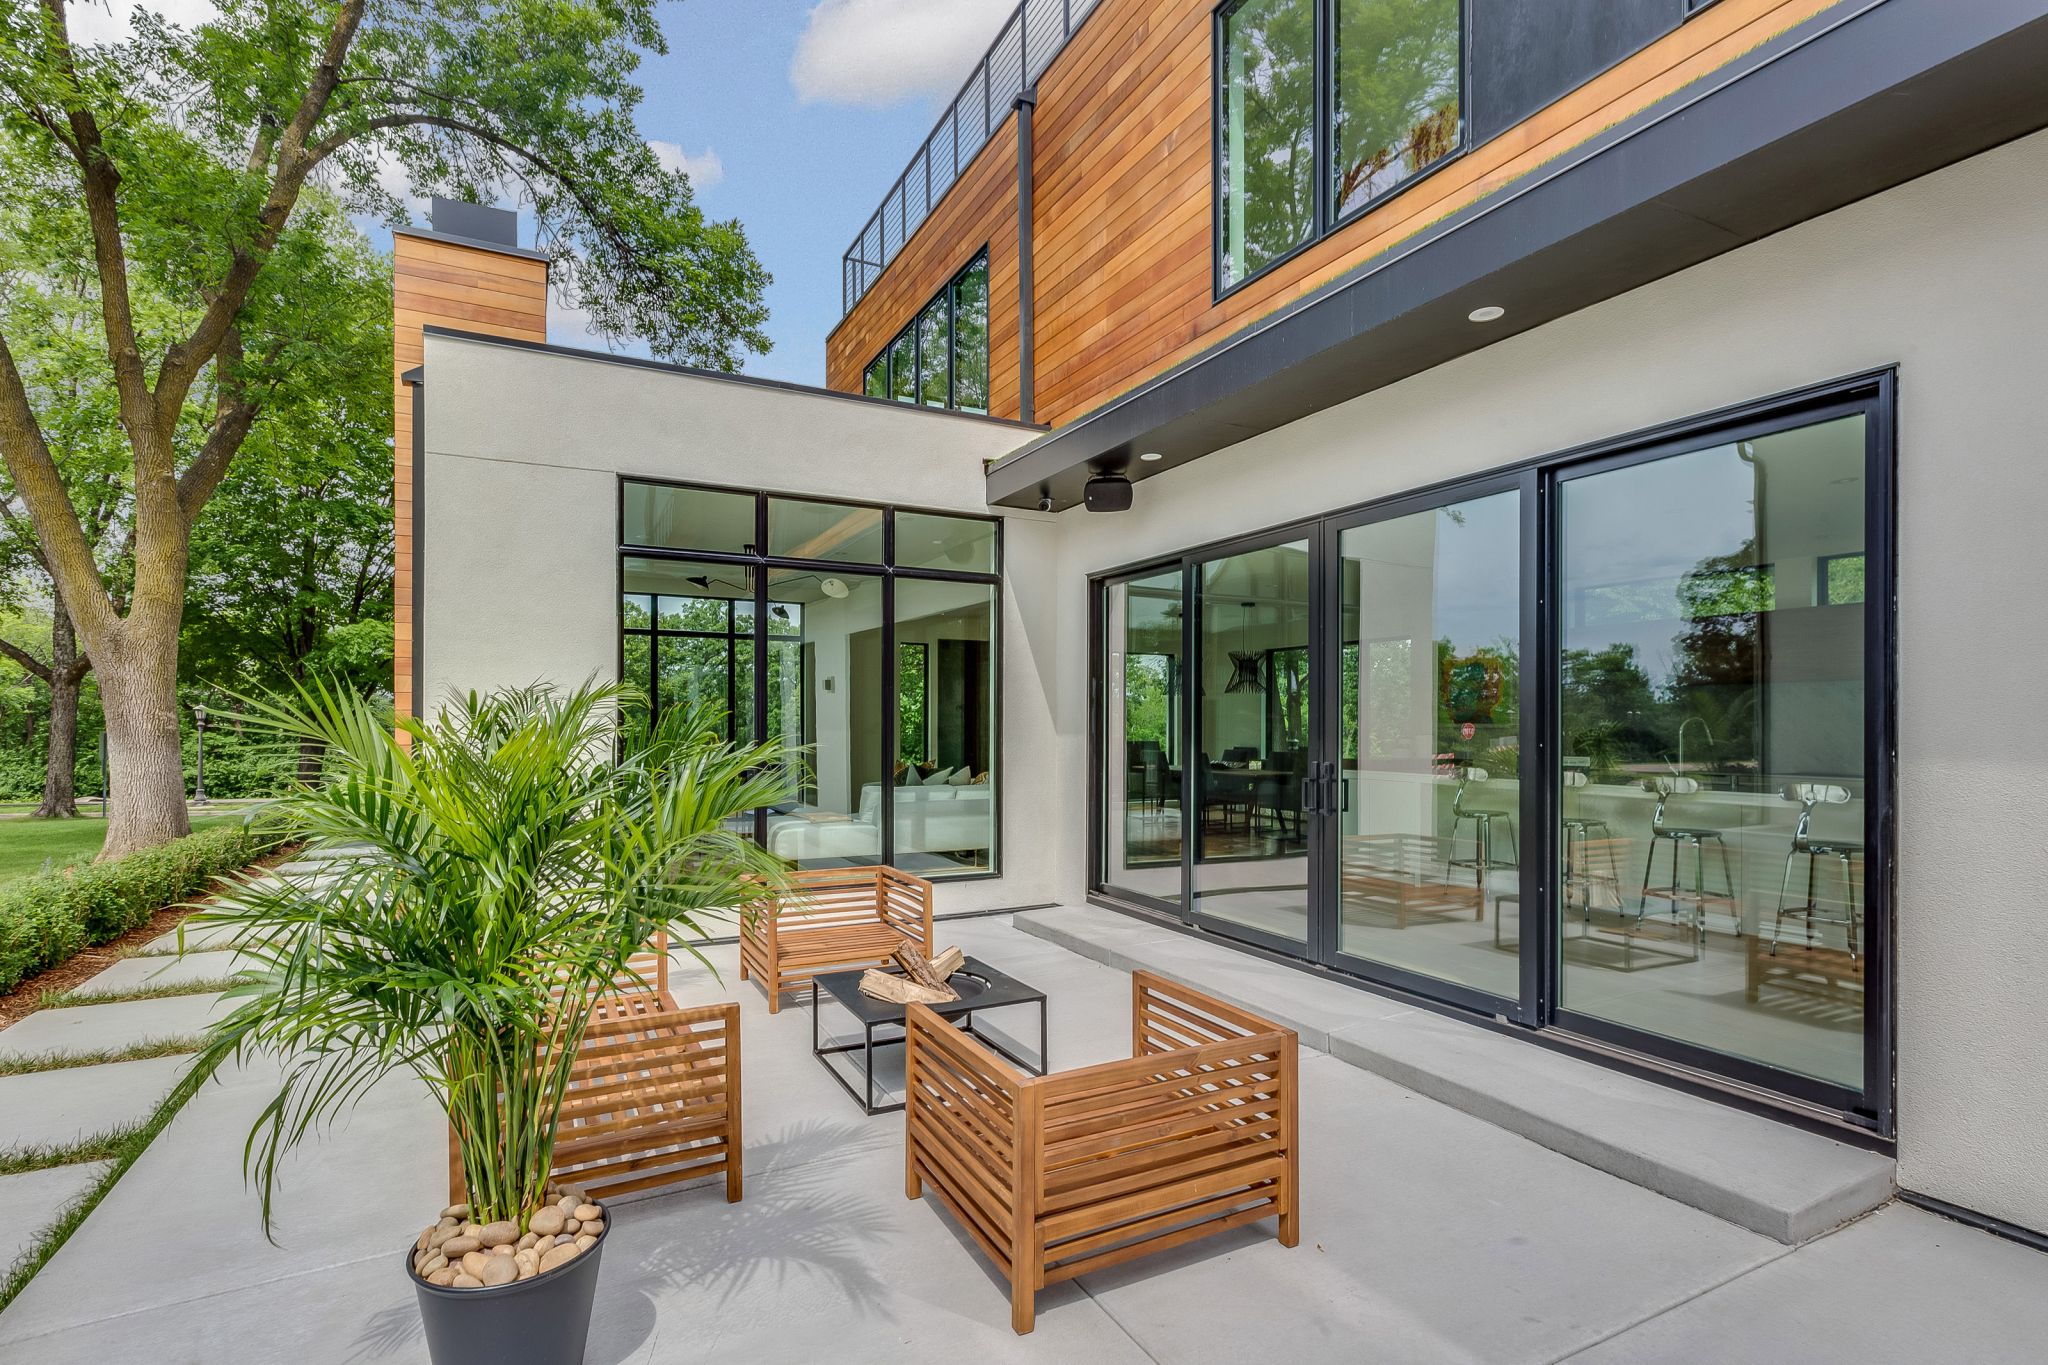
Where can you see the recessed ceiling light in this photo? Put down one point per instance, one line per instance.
(1490, 313)
(1151, 457)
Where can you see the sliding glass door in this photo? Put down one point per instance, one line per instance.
(1251, 806)
(1715, 610)
(1428, 667)
(1668, 833)
(1141, 834)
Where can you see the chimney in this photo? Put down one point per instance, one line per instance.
(467, 273)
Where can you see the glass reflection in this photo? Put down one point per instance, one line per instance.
(1142, 728)
(945, 719)
(1430, 697)
(1251, 741)
(826, 687)
(1711, 689)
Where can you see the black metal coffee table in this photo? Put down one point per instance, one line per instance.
(981, 987)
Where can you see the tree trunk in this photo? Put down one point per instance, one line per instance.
(139, 692)
(60, 796)
(312, 754)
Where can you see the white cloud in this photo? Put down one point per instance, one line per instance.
(103, 22)
(882, 52)
(704, 170)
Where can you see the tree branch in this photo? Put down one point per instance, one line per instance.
(29, 662)
(59, 537)
(102, 184)
(184, 360)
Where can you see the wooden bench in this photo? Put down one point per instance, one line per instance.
(833, 920)
(654, 1098)
(1055, 1176)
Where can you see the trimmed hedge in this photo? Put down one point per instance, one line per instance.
(45, 919)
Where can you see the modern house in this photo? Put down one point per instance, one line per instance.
(1530, 512)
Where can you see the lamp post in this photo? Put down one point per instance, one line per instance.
(199, 781)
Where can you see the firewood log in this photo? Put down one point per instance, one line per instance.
(900, 990)
(948, 962)
(918, 968)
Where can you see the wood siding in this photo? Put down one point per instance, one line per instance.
(1122, 201)
(980, 210)
(471, 289)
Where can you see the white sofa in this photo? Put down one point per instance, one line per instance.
(944, 819)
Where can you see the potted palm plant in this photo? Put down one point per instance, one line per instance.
(487, 876)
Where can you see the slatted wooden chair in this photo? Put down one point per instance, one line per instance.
(835, 919)
(1055, 1176)
(654, 1098)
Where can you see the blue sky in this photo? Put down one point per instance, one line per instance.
(795, 117)
(801, 175)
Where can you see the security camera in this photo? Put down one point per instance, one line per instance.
(1045, 502)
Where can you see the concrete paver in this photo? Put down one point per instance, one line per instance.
(93, 1028)
(33, 1200)
(50, 1107)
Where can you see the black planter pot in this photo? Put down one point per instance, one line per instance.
(541, 1321)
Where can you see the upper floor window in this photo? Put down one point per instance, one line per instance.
(1393, 76)
(941, 358)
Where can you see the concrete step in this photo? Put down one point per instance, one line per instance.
(1781, 1181)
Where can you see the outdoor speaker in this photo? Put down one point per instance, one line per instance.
(1108, 493)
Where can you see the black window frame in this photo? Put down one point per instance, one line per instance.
(1325, 218)
(948, 294)
(759, 563)
(1539, 1013)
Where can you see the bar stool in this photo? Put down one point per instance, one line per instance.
(1482, 858)
(1580, 831)
(1677, 837)
(1845, 851)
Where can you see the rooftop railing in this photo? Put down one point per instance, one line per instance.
(1034, 34)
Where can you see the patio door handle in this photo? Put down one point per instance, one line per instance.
(1319, 790)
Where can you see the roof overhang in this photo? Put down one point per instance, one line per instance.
(1859, 99)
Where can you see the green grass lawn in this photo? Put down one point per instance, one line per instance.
(30, 846)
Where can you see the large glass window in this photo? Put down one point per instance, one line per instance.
(945, 799)
(686, 625)
(707, 619)
(1268, 99)
(1395, 106)
(1387, 77)
(941, 359)
(1711, 691)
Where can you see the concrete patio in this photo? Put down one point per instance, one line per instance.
(1430, 1235)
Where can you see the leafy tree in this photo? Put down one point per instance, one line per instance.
(290, 573)
(190, 157)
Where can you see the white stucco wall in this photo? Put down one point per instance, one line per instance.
(519, 538)
(1948, 279)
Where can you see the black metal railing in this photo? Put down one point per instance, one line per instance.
(1034, 34)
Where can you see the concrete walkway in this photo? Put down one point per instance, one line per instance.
(66, 1104)
(1430, 1235)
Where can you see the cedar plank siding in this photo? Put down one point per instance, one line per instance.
(1122, 202)
(980, 210)
(471, 289)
